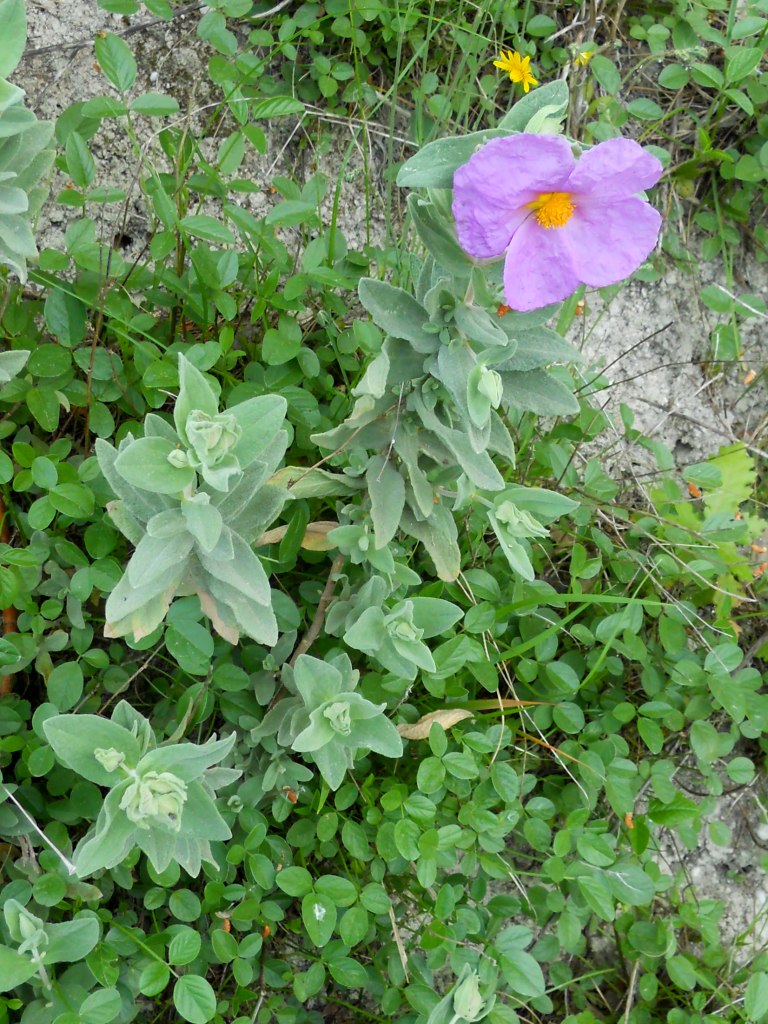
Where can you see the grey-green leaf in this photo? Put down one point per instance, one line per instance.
(386, 489)
(438, 534)
(145, 465)
(74, 739)
(541, 111)
(397, 312)
(436, 163)
(14, 22)
(439, 237)
(195, 392)
(538, 347)
(539, 392)
(15, 969)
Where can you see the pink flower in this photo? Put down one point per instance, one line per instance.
(561, 221)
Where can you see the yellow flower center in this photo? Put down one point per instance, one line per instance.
(553, 209)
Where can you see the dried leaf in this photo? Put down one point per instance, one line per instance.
(446, 717)
(399, 943)
(315, 538)
(230, 633)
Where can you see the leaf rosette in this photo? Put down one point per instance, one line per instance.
(162, 799)
(193, 500)
(327, 720)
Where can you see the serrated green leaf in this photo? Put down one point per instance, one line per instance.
(275, 106)
(155, 104)
(116, 60)
(208, 228)
(756, 997)
(81, 166)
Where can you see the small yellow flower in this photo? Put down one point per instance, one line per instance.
(518, 68)
(584, 58)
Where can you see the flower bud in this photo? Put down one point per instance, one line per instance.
(155, 798)
(402, 629)
(178, 458)
(467, 1001)
(491, 386)
(28, 924)
(339, 717)
(400, 625)
(109, 759)
(212, 437)
(519, 523)
(25, 928)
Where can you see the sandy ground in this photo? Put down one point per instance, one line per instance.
(652, 339)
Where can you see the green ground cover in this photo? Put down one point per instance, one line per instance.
(341, 681)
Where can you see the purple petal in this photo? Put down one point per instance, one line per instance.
(484, 230)
(538, 268)
(490, 191)
(618, 167)
(609, 241)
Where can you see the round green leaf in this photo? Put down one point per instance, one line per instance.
(756, 996)
(194, 999)
(49, 361)
(100, 1007)
(73, 500)
(185, 905)
(353, 926)
(340, 890)
(49, 890)
(308, 983)
(294, 881)
(348, 972)
(319, 916)
(740, 770)
(184, 947)
(224, 945)
(191, 644)
(154, 979)
(595, 849)
(44, 406)
(208, 228)
(65, 685)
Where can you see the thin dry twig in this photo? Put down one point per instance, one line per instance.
(319, 618)
(399, 943)
(631, 992)
(82, 44)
